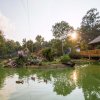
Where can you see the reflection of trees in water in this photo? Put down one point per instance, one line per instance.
(89, 81)
(44, 75)
(23, 72)
(63, 80)
(64, 84)
(2, 77)
(3, 74)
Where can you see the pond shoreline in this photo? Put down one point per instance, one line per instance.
(49, 66)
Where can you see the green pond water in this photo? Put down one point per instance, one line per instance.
(79, 83)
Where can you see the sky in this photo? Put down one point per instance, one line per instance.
(28, 18)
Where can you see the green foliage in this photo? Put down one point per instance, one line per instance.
(75, 55)
(30, 45)
(56, 46)
(35, 62)
(39, 42)
(65, 58)
(8, 48)
(84, 45)
(20, 61)
(48, 54)
(2, 45)
(12, 46)
(90, 25)
(61, 29)
(39, 39)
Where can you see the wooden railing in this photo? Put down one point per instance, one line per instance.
(91, 53)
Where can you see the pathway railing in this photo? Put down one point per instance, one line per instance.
(91, 53)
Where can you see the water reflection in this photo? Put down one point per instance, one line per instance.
(63, 81)
(75, 76)
(64, 84)
(89, 81)
(8, 88)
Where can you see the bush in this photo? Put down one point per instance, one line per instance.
(35, 62)
(48, 54)
(20, 61)
(75, 55)
(65, 59)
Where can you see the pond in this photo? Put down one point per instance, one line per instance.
(80, 83)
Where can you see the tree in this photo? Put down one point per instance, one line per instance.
(56, 46)
(30, 45)
(18, 46)
(11, 47)
(61, 29)
(2, 45)
(90, 25)
(45, 44)
(24, 43)
(8, 48)
(39, 39)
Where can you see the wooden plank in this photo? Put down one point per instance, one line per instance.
(91, 53)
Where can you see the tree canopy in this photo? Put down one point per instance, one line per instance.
(61, 29)
(39, 39)
(90, 25)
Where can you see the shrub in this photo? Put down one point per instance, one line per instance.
(35, 61)
(65, 58)
(75, 55)
(48, 54)
(20, 61)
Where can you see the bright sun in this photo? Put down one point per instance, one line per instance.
(74, 36)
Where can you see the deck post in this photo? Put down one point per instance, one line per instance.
(89, 55)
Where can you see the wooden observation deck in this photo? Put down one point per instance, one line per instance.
(91, 53)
